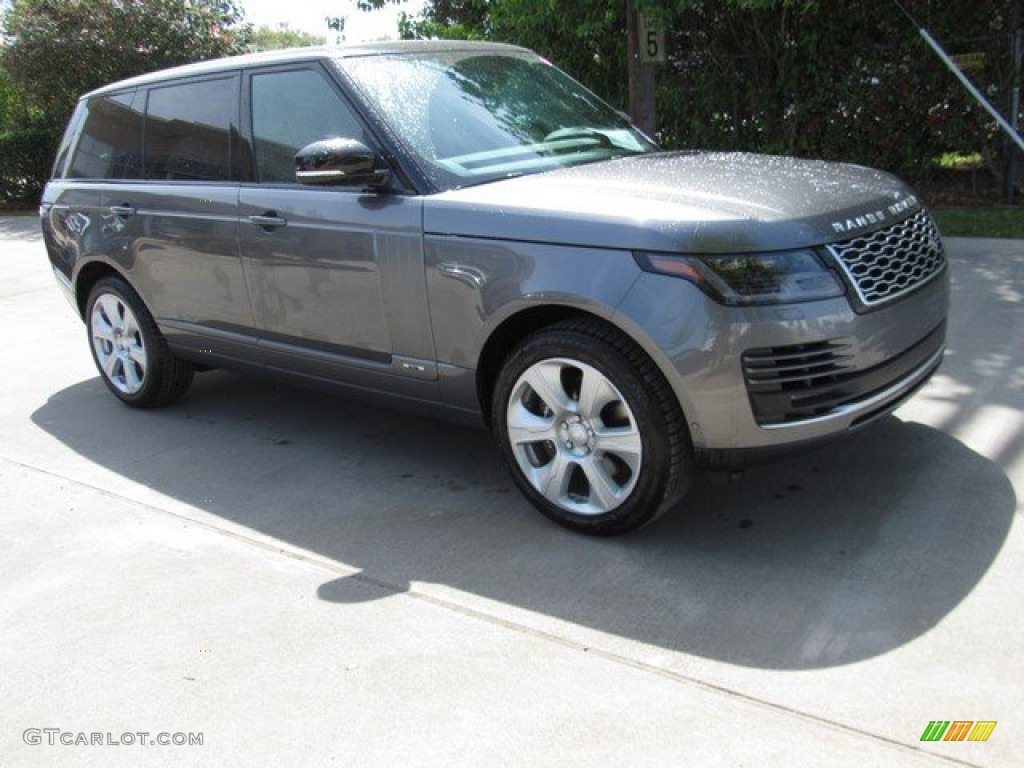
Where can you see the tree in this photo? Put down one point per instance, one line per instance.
(269, 39)
(587, 38)
(13, 110)
(337, 23)
(55, 50)
(448, 20)
(58, 49)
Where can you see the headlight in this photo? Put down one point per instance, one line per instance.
(751, 278)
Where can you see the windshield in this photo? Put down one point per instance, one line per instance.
(474, 117)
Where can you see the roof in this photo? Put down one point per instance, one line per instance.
(311, 53)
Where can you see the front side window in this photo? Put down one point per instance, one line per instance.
(110, 146)
(290, 110)
(188, 131)
(474, 117)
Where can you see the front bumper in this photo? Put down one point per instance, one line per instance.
(705, 350)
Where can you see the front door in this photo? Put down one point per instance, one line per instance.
(335, 273)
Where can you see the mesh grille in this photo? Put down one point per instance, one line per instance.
(888, 263)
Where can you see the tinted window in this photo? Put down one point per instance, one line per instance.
(111, 143)
(289, 111)
(188, 131)
(61, 164)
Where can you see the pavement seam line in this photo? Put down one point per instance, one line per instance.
(312, 558)
(24, 293)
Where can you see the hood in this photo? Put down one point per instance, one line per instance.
(693, 202)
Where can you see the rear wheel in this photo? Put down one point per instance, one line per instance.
(130, 352)
(590, 429)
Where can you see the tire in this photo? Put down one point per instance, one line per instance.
(590, 429)
(130, 353)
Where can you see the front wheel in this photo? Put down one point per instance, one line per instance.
(130, 352)
(590, 429)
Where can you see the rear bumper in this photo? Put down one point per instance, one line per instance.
(66, 288)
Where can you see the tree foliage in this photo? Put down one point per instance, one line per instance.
(56, 50)
(449, 20)
(337, 23)
(850, 81)
(270, 39)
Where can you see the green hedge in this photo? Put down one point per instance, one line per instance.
(26, 156)
(836, 81)
(850, 81)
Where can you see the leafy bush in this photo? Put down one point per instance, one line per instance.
(26, 156)
(53, 51)
(836, 81)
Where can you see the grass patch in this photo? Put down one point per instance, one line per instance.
(1005, 221)
(959, 160)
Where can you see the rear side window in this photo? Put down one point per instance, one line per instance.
(290, 110)
(110, 146)
(188, 131)
(60, 165)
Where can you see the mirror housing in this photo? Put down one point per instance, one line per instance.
(339, 161)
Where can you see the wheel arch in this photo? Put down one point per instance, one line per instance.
(90, 274)
(505, 337)
(515, 328)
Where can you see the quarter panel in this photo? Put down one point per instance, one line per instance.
(72, 222)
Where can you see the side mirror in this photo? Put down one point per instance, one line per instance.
(339, 161)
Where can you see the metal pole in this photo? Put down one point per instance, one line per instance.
(1010, 182)
(641, 77)
(1010, 130)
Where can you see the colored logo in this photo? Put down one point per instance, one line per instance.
(958, 730)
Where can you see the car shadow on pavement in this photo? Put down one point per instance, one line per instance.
(821, 560)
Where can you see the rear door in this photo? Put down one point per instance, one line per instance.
(177, 227)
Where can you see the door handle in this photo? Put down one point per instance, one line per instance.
(123, 210)
(268, 221)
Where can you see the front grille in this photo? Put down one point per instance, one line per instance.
(886, 264)
(802, 381)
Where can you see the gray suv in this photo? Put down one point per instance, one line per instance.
(464, 230)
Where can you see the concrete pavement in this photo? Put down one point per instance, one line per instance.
(311, 581)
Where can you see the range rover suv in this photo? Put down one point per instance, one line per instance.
(464, 230)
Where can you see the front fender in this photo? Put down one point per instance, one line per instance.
(476, 285)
